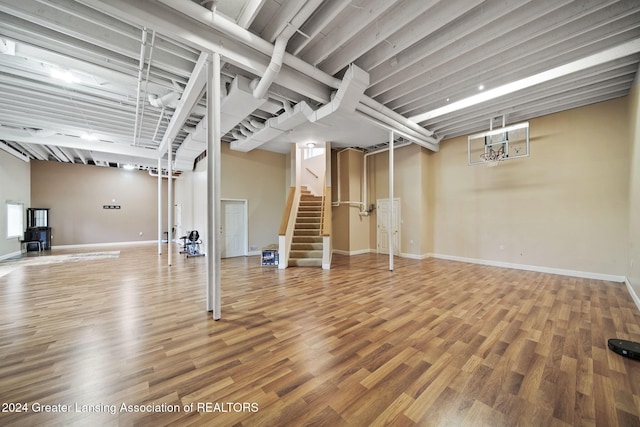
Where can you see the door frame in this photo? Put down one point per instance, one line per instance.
(245, 204)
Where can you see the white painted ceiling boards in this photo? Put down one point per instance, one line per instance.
(115, 82)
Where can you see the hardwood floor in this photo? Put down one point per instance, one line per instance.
(433, 343)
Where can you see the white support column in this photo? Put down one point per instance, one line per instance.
(391, 231)
(159, 206)
(169, 201)
(213, 186)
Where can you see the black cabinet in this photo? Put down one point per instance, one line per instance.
(37, 236)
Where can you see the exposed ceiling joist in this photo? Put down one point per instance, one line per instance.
(420, 56)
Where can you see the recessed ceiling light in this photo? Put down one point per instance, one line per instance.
(481, 87)
(128, 167)
(447, 99)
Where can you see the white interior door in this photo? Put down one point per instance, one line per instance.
(382, 208)
(234, 228)
(177, 215)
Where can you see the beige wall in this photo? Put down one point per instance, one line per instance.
(15, 186)
(75, 195)
(411, 166)
(428, 202)
(633, 264)
(565, 207)
(572, 205)
(358, 224)
(350, 229)
(258, 176)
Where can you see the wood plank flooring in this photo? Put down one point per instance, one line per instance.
(433, 343)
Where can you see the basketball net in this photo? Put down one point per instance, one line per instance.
(493, 158)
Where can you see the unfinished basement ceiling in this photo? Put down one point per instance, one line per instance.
(118, 82)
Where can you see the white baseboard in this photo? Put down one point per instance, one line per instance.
(252, 253)
(632, 292)
(94, 245)
(414, 256)
(11, 255)
(351, 253)
(551, 270)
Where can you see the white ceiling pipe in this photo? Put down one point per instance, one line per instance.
(285, 102)
(279, 48)
(427, 141)
(372, 103)
(169, 100)
(274, 66)
(378, 121)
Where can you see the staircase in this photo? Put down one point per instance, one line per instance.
(306, 245)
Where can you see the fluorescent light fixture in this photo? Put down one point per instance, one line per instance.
(611, 54)
(89, 137)
(128, 167)
(64, 75)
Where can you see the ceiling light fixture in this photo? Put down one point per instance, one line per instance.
(7, 47)
(89, 137)
(481, 87)
(611, 54)
(311, 144)
(128, 167)
(64, 75)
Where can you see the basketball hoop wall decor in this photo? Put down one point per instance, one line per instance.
(497, 145)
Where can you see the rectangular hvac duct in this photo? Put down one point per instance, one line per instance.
(235, 107)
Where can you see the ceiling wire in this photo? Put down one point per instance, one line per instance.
(73, 101)
(146, 85)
